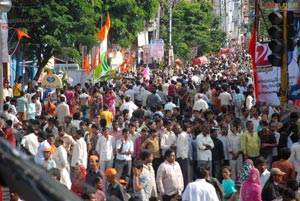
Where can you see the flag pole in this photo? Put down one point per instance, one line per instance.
(284, 68)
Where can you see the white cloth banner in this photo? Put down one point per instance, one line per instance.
(268, 77)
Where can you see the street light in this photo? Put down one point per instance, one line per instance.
(5, 6)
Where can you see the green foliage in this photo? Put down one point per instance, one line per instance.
(61, 27)
(193, 25)
(128, 18)
(56, 26)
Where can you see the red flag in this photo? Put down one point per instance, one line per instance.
(96, 58)
(252, 52)
(21, 34)
(87, 65)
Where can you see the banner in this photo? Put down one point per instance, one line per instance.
(268, 77)
(157, 48)
(146, 55)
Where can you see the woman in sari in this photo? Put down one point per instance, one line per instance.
(251, 189)
(109, 100)
(245, 171)
(79, 180)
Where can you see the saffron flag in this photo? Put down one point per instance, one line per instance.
(96, 59)
(21, 34)
(87, 65)
(103, 67)
(252, 52)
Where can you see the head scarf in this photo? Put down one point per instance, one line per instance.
(83, 172)
(245, 171)
(251, 189)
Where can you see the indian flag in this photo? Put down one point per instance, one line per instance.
(103, 67)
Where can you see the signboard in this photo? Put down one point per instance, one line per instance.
(293, 5)
(51, 81)
(157, 48)
(268, 76)
(146, 55)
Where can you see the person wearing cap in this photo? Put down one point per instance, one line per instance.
(272, 189)
(115, 189)
(107, 115)
(285, 165)
(93, 169)
(106, 148)
(47, 162)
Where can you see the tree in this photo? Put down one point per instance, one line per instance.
(193, 25)
(128, 18)
(62, 27)
(56, 27)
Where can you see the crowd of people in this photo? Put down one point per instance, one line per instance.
(185, 133)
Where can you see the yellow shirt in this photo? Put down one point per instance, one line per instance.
(107, 115)
(17, 89)
(250, 144)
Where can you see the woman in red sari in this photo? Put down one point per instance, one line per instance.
(79, 180)
(109, 99)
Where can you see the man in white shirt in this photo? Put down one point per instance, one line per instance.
(125, 149)
(62, 110)
(261, 164)
(61, 160)
(79, 152)
(204, 147)
(39, 157)
(225, 98)
(106, 147)
(169, 105)
(129, 105)
(183, 145)
(169, 179)
(200, 189)
(30, 142)
(168, 138)
(200, 104)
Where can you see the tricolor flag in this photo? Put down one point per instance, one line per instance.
(102, 37)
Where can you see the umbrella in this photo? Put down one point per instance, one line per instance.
(200, 61)
(178, 62)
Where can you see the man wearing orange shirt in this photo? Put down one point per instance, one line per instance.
(285, 166)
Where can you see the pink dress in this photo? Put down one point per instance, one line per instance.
(109, 100)
(251, 189)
